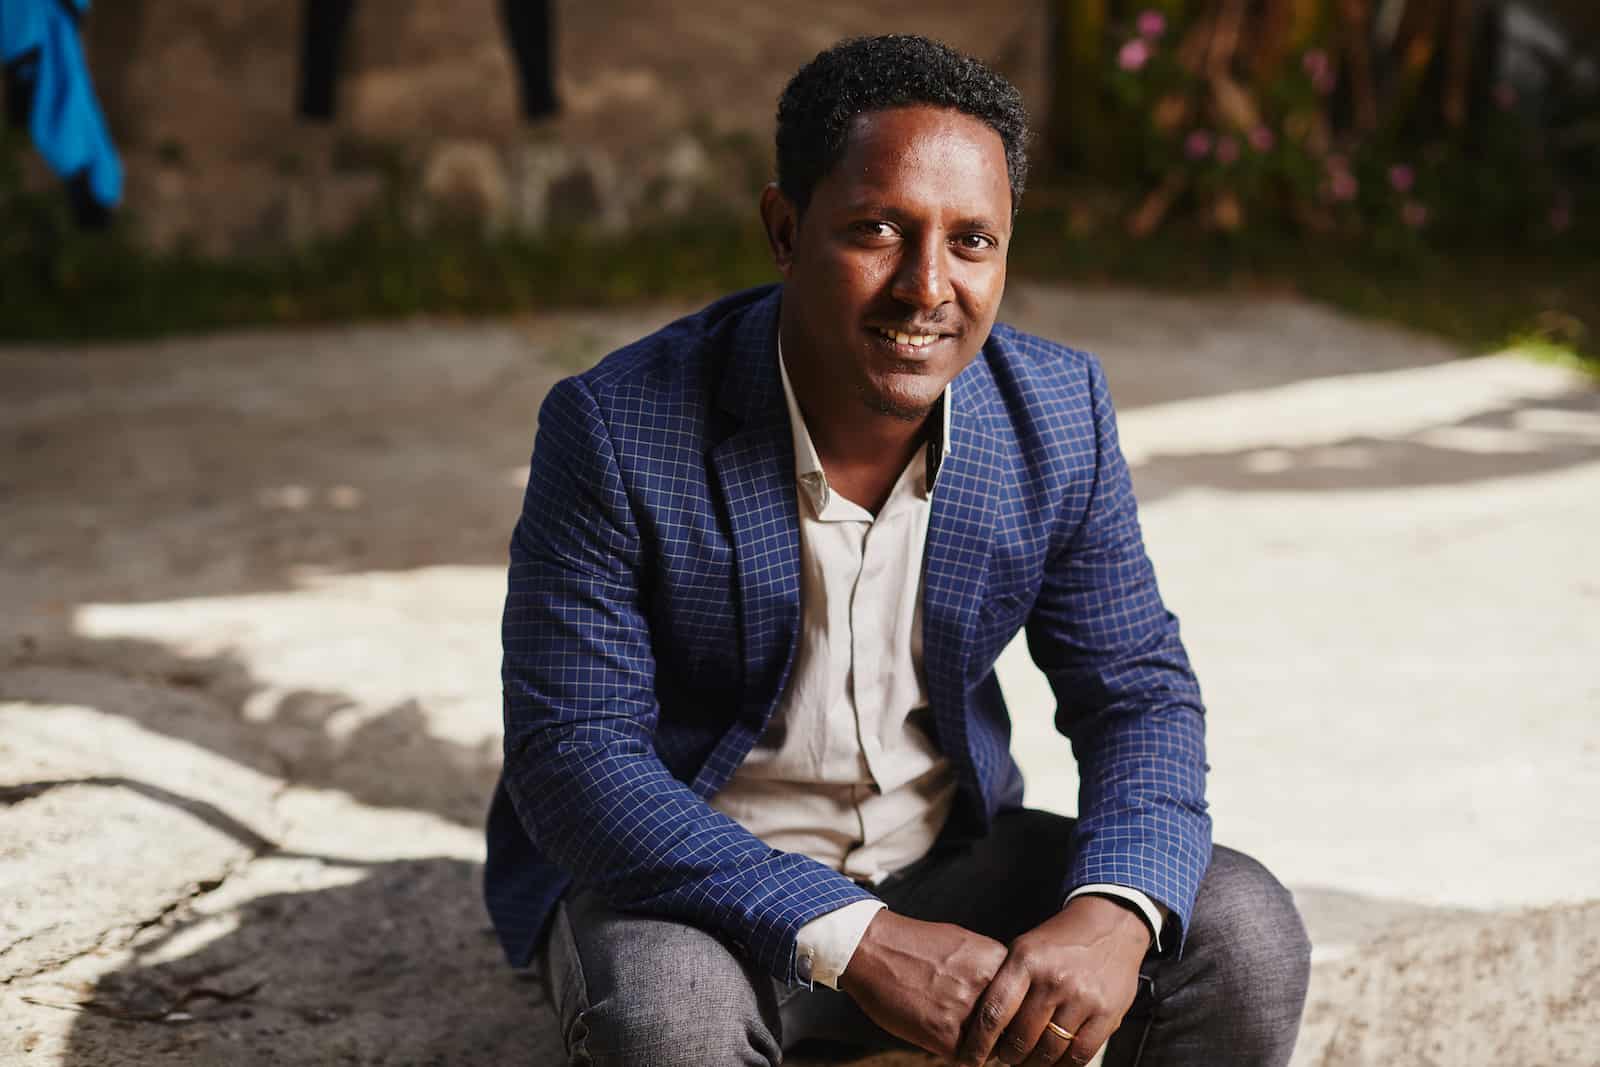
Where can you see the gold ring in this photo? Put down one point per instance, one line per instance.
(1060, 1031)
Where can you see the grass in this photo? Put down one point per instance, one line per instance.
(1544, 351)
(101, 288)
(60, 285)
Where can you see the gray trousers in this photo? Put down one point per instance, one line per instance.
(636, 990)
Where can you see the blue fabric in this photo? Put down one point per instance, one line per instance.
(653, 607)
(40, 50)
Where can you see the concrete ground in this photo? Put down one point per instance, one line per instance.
(249, 700)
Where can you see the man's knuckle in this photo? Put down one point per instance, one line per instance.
(1016, 1042)
(1072, 986)
(1031, 957)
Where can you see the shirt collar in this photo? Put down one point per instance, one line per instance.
(808, 466)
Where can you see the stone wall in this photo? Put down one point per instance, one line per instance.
(666, 109)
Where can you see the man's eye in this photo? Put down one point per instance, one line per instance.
(976, 242)
(875, 228)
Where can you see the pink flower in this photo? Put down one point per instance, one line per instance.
(1319, 68)
(1561, 218)
(1152, 24)
(1262, 139)
(1402, 178)
(1414, 214)
(1197, 145)
(1227, 149)
(1134, 55)
(1342, 185)
(1505, 95)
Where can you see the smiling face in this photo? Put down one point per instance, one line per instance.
(894, 273)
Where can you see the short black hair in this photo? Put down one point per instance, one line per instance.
(860, 75)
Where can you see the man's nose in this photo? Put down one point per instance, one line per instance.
(923, 278)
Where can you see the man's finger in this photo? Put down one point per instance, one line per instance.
(991, 1014)
(1052, 1047)
(1026, 1032)
(1050, 1050)
(1091, 1034)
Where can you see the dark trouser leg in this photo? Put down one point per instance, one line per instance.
(321, 41)
(633, 991)
(532, 36)
(1236, 995)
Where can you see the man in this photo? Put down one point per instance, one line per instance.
(767, 559)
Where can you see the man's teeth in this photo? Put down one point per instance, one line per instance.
(915, 340)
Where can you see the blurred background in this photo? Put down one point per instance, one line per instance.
(1432, 160)
(282, 286)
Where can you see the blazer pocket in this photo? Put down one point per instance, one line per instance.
(1000, 617)
(1003, 605)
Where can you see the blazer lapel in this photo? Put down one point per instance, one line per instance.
(955, 559)
(755, 471)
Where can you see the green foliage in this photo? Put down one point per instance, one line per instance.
(1482, 300)
(109, 289)
(1562, 355)
(1293, 120)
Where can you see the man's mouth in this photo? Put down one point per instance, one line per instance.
(914, 340)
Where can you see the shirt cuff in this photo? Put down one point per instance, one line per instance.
(1146, 906)
(824, 945)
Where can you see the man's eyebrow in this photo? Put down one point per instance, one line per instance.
(977, 222)
(870, 206)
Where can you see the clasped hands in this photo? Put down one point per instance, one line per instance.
(966, 997)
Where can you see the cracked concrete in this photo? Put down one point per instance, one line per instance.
(248, 688)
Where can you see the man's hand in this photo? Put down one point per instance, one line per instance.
(1078, 969)
(919, 980)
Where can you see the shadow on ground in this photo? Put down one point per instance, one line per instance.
(1532, 436)
(386, 757)
(396, 967)
(295, 956)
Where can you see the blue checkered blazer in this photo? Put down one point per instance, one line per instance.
(654, 601)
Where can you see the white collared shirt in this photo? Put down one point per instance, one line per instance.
(847, 771)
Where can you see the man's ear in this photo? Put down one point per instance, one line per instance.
(780, 219)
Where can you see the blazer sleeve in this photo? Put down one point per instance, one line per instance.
(1125, 693)
(580, 716)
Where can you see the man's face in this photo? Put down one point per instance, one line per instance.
(895, 271)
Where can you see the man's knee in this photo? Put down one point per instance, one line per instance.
(1247, 925)
(716, 1019)
(634, 990)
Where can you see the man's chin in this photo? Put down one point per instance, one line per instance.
(898, 405)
